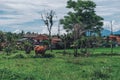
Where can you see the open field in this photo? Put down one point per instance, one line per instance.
(116, 50)
(60, 67)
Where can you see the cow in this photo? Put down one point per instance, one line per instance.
(40, 50)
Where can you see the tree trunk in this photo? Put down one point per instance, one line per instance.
(75, 51)
(64, 47)
(50, 41)
(111, 47)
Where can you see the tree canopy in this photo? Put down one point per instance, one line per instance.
(82, 13)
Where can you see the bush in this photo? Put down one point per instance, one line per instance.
(18, 55)
(27, 47)
(8, 50)
(49, 55)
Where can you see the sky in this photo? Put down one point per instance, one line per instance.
(18, 15)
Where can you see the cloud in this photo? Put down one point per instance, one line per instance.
(109, 10)
(17, 31)
(114, 25)
(25, 15)
(23, 11)
(17, 15)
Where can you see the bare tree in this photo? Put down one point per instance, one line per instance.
(48, 20)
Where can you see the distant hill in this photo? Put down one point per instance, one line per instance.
(117, 32)
(107, 32)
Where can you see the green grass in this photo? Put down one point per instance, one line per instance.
(60, 67)
(94, 50)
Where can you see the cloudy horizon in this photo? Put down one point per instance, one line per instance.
(16, 16)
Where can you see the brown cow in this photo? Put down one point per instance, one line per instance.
(40, 50)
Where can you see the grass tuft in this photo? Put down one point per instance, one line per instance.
(101, 74)
(18, 55)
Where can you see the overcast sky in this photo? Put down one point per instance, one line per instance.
(17, 15)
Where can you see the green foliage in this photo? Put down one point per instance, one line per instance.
(18, 55)
(27, 47)
(49, 55)
(2, 36)
(45, 42)
(8, 49)
(83, 14)
(9, 37)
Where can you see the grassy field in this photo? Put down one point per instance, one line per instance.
(56, 66)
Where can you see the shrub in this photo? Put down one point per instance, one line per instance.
(49, 55)
(18, 55)
(27, 47)
(8, 50)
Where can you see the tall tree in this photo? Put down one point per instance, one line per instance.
(83, 13)
(82, 18)
(48, 20)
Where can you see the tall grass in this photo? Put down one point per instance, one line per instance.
(57, 66)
